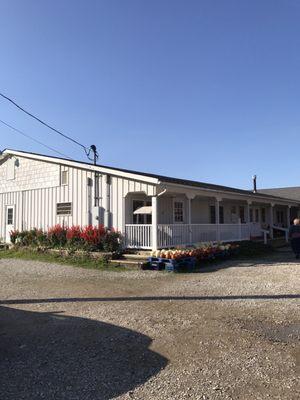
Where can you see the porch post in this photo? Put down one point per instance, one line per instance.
(288, 216)
(154, 223)
(217, 206)
(249, 203)
(271, 220)
(189, 217)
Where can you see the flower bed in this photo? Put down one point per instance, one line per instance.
(88, 238)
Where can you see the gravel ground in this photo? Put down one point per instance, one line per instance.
(231, 332)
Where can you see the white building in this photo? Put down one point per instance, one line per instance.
(38, 191)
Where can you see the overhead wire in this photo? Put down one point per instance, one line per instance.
(86, 149)
(33, 139)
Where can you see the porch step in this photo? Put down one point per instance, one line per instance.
(128, 263)
(137, 256)
(133, 259)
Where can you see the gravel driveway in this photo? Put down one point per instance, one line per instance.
(72, 333)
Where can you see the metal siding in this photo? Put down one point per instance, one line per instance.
(36, 207)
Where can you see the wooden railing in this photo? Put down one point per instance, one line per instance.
(285, 230)
(170, 235)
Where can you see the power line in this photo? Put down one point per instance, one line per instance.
(33, 139)
(44, 123)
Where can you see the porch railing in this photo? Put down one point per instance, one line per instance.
(170, 235)
(138, 236)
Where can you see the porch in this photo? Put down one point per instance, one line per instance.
(171, 235)
(177, 219)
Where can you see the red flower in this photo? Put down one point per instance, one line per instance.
(74, 232)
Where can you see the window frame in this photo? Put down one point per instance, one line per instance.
(213, 215)
(8, 207)
(242, 215)
(179, 201)
(280, 216)
(263, 215)
(62, 172)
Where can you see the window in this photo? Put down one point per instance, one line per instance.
(212, 211)
(10, 169)
(251, 215)
(10, 216)
(280, 217)
(263, 215)
(256, 215)
(242, 214)
(178, 211)
(64, 177)
(221, 210)
(213, 218)
(64, 208)
(141, 218)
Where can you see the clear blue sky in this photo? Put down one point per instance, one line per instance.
(207, 90)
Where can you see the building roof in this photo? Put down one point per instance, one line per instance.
(286, 192)
(155, 177)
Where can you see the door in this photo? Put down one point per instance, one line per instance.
(10, 218)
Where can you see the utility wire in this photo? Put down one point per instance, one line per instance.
(86, 149)
(34, 140)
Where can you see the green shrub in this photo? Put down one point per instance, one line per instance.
(249, 248)
(112, 242)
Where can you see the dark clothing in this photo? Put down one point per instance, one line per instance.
(294, 235)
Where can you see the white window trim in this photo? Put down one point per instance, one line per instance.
(178, 200)
(7, 206)
(67, 174)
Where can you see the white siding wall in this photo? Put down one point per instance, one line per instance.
(36, 190)
(29, 174)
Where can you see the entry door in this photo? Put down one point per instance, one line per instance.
(10, 218)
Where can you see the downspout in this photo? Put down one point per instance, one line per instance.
(107, 203)
(161, 193)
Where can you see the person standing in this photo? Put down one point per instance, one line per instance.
(294, 235)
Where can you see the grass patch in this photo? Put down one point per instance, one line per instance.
(83, 261)
(250, 249)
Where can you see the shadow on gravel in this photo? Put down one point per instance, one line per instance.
(52, 356)
(152, 298)
(246, 262)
